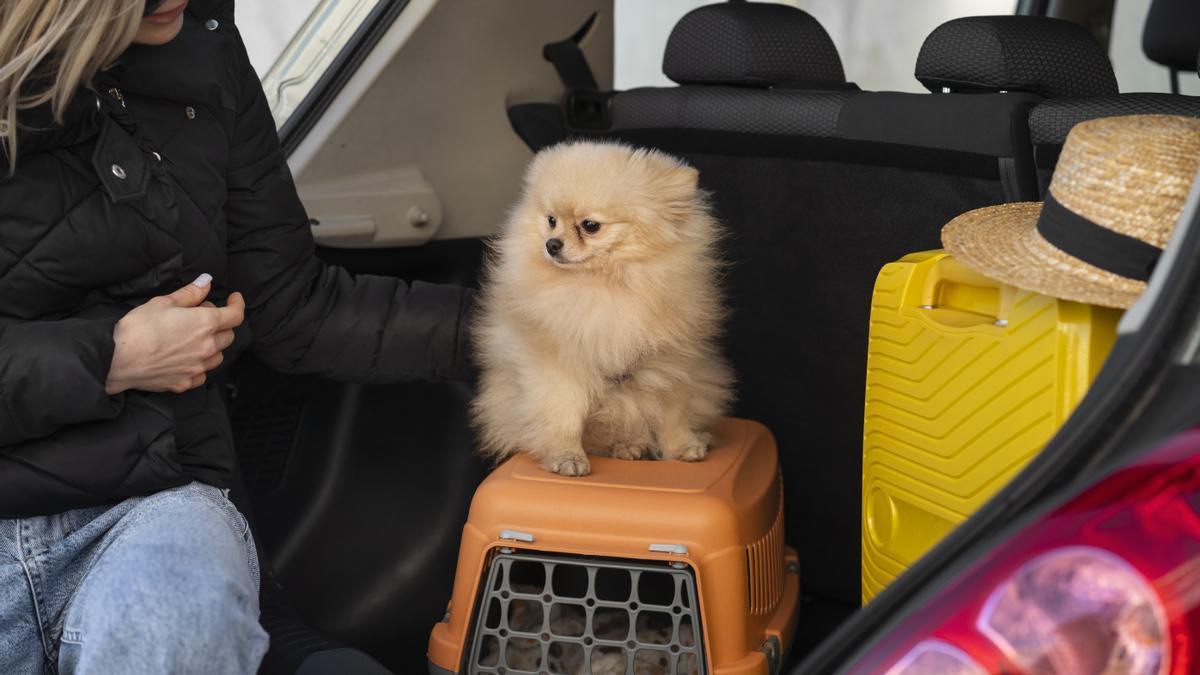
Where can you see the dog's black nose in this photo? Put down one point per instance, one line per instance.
(554, 246)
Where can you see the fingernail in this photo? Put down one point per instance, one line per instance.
(203, 280)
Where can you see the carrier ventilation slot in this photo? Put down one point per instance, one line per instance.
(584, 616)
(764, 567)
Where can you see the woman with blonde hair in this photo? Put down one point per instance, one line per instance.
(149, 233)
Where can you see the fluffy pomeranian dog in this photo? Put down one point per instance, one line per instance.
(600, 316)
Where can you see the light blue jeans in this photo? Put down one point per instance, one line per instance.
(161, 584)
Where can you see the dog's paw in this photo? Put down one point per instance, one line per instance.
(570, 466)
(628, 451)
(693, 449)
(690, 453)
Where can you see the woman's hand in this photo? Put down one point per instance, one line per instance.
(171, 342)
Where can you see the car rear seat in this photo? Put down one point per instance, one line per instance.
(1171, 37)
(821, 185)
(745, 68)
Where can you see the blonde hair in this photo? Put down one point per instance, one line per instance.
(48, 48)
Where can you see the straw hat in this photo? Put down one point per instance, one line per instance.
(1118, 189)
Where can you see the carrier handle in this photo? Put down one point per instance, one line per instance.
(956, 296)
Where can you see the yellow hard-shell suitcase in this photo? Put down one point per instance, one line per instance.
(967, 378)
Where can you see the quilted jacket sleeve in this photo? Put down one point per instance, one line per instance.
(52, 374)
(308, 317)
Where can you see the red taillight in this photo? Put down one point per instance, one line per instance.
(1107, 583)
(1077, 609)
(935, 656)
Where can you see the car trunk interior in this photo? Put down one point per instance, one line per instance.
(359, 492)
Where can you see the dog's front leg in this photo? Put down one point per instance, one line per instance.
(558, 408)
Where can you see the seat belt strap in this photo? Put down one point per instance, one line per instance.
(569, 62)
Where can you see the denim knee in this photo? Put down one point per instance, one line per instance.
(175, 591)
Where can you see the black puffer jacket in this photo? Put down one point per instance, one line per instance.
(170, 168)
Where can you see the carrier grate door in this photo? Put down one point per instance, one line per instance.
(576, 616)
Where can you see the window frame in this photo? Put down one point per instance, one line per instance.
(314, 104)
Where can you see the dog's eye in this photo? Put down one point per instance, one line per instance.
(552, 221)
(590, 226)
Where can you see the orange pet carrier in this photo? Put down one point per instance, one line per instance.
(641, 567)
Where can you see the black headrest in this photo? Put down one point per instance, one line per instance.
(1040, 55)
(756, 44)
(1172, 33)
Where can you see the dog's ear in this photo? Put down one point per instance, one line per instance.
(676, 180)
(671, 198)
(681, 183)
(688, 176)
(669, 174)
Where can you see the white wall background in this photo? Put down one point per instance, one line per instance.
(878, 39)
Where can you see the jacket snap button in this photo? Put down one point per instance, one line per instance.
(190, 112)
(211, 24)
(118, 171)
